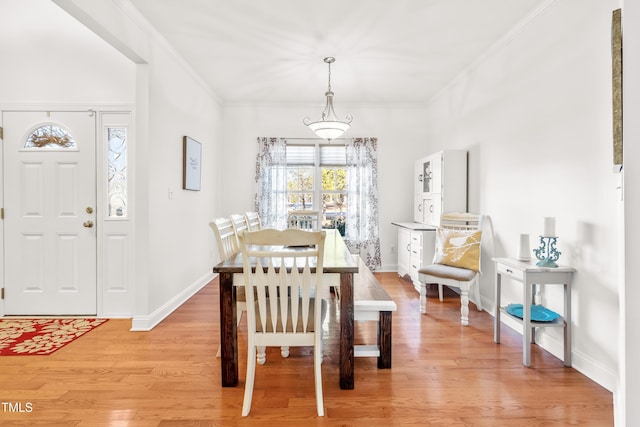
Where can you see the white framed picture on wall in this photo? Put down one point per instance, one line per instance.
(192, 159)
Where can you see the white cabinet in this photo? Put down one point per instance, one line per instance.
(431, 167)
(404, 251)
(416, 254)
(443, 176)
(418, 178)
(439, 186)
(418, 208)
(416, 245)
(432, 206)
(418, 182)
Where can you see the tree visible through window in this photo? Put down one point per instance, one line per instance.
(334, 197)
(300, 187)
(316, 179)
(341, 181)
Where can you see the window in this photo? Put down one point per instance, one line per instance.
(301, 167)
(50, 136)
(341, 181)
(117, 140)
(316, 179)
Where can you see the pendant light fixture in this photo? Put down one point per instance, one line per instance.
(329, 127)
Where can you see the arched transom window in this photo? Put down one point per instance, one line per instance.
(50, 136)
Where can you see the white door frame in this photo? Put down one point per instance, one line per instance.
(115, 236)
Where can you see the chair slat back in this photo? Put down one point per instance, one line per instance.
(239, 223)
(304, 219)
(253, 220)
(225, 237)
(461, 221)
(287, 276)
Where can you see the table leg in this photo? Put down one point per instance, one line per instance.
(535, 290)
(496, 318)
(346, 331)
(526, 325)
(384, 340)
(567, 324)
(228, 331)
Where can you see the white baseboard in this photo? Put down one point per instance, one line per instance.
(146, 323)
(579, 361)
(387, 268)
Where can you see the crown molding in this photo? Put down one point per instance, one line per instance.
(503, 41)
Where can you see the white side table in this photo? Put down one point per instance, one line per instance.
(529, 275)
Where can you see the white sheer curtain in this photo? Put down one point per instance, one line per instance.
(361, 234)
(361, 231)
(271, 182)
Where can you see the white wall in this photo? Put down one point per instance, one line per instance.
(175, 249)
(181, 244)
(535, 115)
(50, 58)
(401, 139)
(628, 410)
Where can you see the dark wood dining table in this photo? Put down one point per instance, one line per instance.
(337, 259)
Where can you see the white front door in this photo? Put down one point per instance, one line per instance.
(50, 205)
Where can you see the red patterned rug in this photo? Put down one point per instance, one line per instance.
(30, 337)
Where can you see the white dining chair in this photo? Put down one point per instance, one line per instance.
(304, 219)
(253, 221)
(310, 220)
(227, 241)
(227, 247)
(225, 237)
(239, 223)
(282, 308)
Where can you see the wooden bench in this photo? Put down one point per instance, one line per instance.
(372, 303)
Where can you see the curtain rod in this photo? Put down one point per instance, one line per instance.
(316, 139)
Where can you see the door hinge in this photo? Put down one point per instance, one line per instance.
(1, 133)
(2, 296)
(1, 213)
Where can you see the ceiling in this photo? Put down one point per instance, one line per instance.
(401, 51)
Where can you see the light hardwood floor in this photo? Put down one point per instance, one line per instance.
(443, 374)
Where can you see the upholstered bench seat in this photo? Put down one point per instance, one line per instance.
(461, 278)
(371, 302)
(448, 272)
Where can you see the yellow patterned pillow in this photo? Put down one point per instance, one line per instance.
(458, 248)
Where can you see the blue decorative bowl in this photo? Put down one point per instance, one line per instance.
(539, 313)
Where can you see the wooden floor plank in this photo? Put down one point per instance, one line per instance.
(443, 374)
